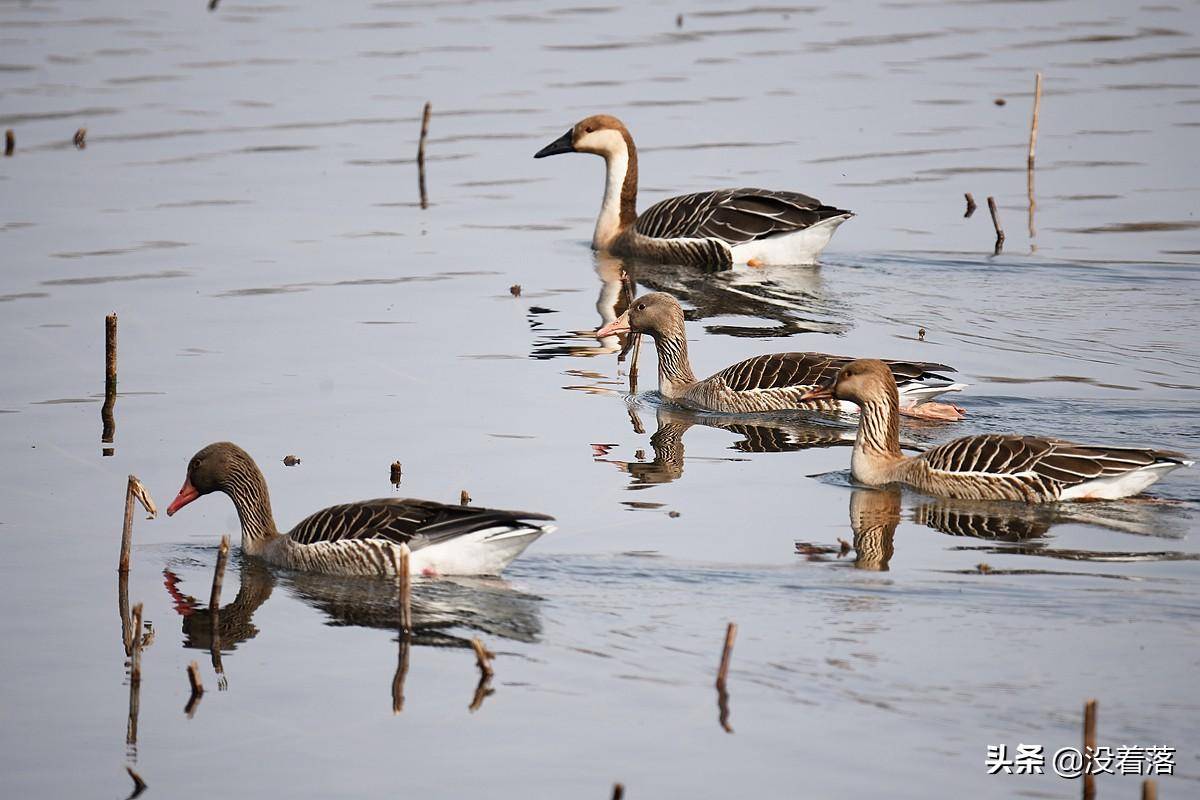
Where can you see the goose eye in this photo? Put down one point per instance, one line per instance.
(641, 307)
(587, 129)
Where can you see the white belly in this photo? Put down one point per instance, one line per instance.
(799, 247)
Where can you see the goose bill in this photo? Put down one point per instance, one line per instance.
(618, 325)
(562, 144)
(822, 392)
(186, 495)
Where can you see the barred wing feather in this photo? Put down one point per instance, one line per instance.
(734, 216)
(418, 523)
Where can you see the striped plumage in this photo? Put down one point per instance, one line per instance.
(989, 467)
(361, 538)
(716, 229)
(774, 382)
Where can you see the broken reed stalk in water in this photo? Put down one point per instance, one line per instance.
(1033, 131)
(193, 673)
(134, 490)
(633, 362)
(723, 674)
(401, 560)
(421, 154)
(619, 788)
(404, 578)
(10, 142)
(1089, 748)
(139, 785)
(214, 611)
(108, 421)
(1033, 127)
(991, 201)
(970, 204)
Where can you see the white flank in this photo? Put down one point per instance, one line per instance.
(484, 552)
(916, 393)
(1118, 486)
(800, 247)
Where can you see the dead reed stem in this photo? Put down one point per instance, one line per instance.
(193, 673)
(214, 610)
(10, 142)
(134, 490)
(633, 365)
(421, 154)
(108, 421)
(1089, 747)
(991, 201)
(139, 785)
(723, 674)
(1033, 126)
(404, 578)
(970, 204)
(619, 788)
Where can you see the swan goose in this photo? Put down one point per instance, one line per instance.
(713, 229)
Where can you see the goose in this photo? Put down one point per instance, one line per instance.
(361, 538)
(712, 229)
(1032, 469)
(775, 382)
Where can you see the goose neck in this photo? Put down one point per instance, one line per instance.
(675, 374)
(619, 209)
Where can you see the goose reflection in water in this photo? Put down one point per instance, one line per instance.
(788, 300)
(1023, 529)
(486, 605)
(759, 434)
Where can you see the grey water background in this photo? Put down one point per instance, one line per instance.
(247, 203)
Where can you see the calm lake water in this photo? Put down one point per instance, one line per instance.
(247, 203)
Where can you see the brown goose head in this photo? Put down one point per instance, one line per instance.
(657, 314)
(212, 470)
(600, 134)
(861, 381)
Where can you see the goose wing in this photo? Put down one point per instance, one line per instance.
(734, 216)
(806, 370)
(417, 523)
(1052, 460)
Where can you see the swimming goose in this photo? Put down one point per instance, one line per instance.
(361, 538)
(714, 229)
(988, 467)
(775, 382)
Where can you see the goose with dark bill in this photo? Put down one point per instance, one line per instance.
(1032, 469)
(361, 538)
(713, 229)
(774, 382)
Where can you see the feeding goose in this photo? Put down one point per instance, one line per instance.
(361, 538)
(775, 382)
(987, 467)
(716, 229)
